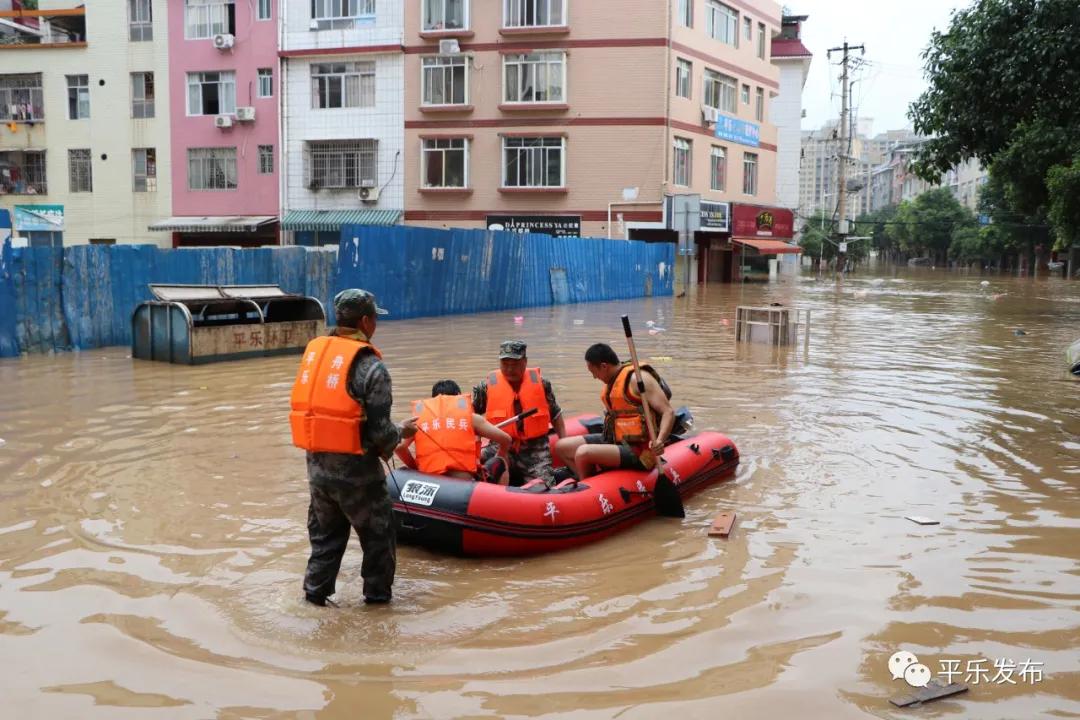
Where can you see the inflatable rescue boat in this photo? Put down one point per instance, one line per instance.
(465, 517)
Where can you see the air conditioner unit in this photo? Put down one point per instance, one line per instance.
(368, 194)
(223, 121)
(245, 114)
(224, 41)
(708, 114)
(449, 47)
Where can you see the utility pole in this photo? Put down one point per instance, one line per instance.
(841, 156)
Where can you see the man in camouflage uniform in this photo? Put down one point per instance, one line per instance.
(528, 458)
(349, 491)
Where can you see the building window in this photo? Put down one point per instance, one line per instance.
(343, 85)
(266, 82)
(342, 14)
(720, 91)
(684, 69)
(140, 21)
(78, 97)
(203, 19)
(144, 170)
(211, 93)
(446, 163)
(21, 99)
(265, 10)
(534, 13)
(718, 169)
(22, 172)
(531, 162)
(749, 173)
(722, 23)
(142, 95)
(445, 80)
(445, 15)
(341, 164)
(759, 104)
(745, 95)
(686, 13)
(212, 168)
(535, 78)
(266, 159)
(682, 162)
(80, 174)
(748, 28)
(761, 40)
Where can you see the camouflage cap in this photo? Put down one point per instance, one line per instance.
(512, 350)
(352, 304)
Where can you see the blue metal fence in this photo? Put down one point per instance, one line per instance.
(83, 296)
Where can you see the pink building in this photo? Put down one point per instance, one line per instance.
(223, 87)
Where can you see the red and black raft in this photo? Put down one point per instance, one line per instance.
(481, 519)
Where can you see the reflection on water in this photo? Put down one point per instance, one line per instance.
(152, 533)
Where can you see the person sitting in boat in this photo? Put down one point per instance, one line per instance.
(447, 438)
(624, 443)
(509, 391)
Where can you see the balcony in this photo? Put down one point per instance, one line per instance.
(27, 28)
(22, 172)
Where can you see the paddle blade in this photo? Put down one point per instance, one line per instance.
(667, 499)
(626, 325)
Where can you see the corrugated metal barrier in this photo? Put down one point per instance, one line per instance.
(83, 296)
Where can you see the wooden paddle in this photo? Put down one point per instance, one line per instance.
(665, 494)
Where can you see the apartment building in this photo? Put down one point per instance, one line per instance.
(84, 130)
(223, 86)
(793, 58)
(343, 116)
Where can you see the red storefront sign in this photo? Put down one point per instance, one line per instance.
(757, 221)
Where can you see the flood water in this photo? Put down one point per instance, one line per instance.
(153, 540)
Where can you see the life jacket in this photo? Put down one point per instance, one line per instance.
(445, 437)
(324, 417)
(625, 416)
(501, 405)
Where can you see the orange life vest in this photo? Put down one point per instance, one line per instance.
(500, 404)
(625, 415)
(445, 438)
(324, 417)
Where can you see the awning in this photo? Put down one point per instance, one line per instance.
(225, 224)
(334, 219)
(768, 246)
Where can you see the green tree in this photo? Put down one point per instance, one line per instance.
(815, 238)
(1064, 211)
(924, 226)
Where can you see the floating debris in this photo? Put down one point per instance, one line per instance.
(934, 690)
(1018, 332)
(579, 322)
(519, 319)
(985, 283)
(921, 519)
(721, 526)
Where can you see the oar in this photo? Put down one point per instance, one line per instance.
(519, 416)
(665, 494)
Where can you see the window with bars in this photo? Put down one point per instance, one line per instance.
(342, 14)
(203, 19)
(80, 174)
(445, 15)
(759, 104)
(533, 13)
(144, 170)
(749, 173)
(266, 82)
(211, 93)
(21, 99)
(761, 40)
(212, 168)
(722, 23)
(342, 164)
(681, 175)
(535, 78)
(445, 80)
(78, 97)
(142, 95)
(684, 70)
(445, 162)
(140, 21)
(721, 91)
(22, 172)
(343, 84)
(686, 13)
(534, 162)
(718, 168)
(266, 159)
(265, 10)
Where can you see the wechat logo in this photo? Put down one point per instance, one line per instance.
(905, 665)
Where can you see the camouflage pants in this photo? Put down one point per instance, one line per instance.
(338, 507)
(532, 460)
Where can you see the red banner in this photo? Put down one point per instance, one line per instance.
(757, 221)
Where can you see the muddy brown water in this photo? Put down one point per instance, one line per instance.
(152, 534)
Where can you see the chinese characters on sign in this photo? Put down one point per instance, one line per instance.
(737, 131)
(1003, 671)
(556, 225)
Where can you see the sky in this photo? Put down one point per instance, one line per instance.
(895, 32)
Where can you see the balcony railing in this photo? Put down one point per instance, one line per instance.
(30, 29)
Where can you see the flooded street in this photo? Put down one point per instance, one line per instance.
(153, 539)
